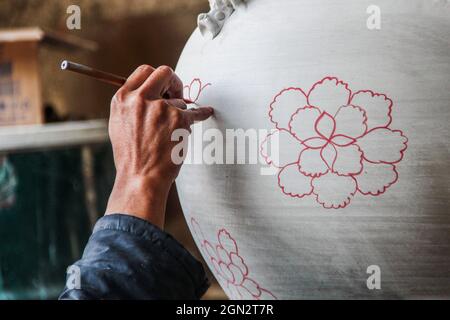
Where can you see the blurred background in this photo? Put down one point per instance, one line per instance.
(56, 168)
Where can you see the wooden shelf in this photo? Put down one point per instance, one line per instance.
(51, 136)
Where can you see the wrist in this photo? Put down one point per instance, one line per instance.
(142, 197)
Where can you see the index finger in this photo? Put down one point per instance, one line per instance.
(160, 82)
(177, 103)
(198, 114)
(138, 77)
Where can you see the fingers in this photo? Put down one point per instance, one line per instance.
(138, 77)
(159, 83)
(155, 83)
(198, 114)
(175, 90)
(178, 103)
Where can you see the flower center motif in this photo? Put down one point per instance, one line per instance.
(327, 139)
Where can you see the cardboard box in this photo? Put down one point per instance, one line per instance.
(20, 82)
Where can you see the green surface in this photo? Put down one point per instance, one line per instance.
(47, 227)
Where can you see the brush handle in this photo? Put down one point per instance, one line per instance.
(94, 73)
(99, 75)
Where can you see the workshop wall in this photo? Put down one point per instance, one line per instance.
(129, 33)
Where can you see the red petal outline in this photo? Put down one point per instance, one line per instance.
(379, 193)
(374, 94)
(350, 139)
(319, 120)
(266, 156)
(365, 118)
(267, 292)
(283, 188)
(243, 262)
(361, 159)
(271, 107)
(349, 199)
(334, 160)
(311, 175)
(402, 151)
(221, 231)
(201, 88)
(338, 82)
(309, 146)
(292, 118)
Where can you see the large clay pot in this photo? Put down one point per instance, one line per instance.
(361, 186)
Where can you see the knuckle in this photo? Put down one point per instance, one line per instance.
(119, 97)
(141, 93)
(144, 67)
(165, 69)
(137, 99)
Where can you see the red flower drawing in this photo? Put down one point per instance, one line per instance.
(194, 90)
(229, 267)
(334, 143)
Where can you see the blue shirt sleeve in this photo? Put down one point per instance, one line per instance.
(129, 258)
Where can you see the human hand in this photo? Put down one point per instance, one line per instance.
(140, 128)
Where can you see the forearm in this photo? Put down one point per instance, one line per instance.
(143, 197)
(128, 255)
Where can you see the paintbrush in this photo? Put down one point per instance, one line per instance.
(100, 75)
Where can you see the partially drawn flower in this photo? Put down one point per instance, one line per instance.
(340, 143)
(193, 91)
(229, 267)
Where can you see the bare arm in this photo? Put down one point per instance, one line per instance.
(128, 255)
(140, 126)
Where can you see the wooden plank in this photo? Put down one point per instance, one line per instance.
(21, 35)
(36, 34)
(50, 136)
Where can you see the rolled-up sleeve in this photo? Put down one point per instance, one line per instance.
(129, 258)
